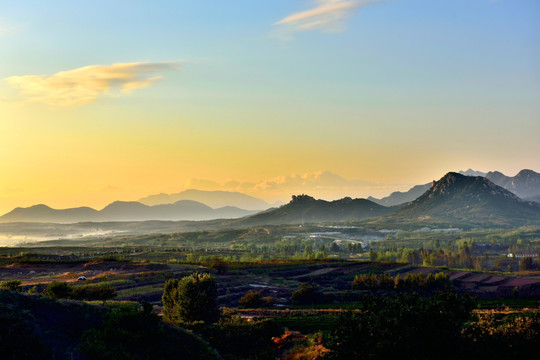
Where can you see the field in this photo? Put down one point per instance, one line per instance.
(276, 262)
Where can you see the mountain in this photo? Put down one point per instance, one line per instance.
(43, 213)
(525, 184)
(215, 199)
(472, 172)
(398, 197)
(470, 200)
(125, 211)
(305, 209)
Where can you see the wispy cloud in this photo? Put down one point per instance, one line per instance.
(326, 15)
(87, 84)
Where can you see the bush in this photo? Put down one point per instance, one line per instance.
(11, 285)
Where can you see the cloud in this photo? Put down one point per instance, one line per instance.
(323, 184)
(327, 16)
(86, 84)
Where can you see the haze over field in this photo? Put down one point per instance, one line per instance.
(104, 101)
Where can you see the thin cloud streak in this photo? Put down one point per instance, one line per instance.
(328, 16)
(87, 84)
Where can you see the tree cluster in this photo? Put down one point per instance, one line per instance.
(410, 282)
(413, 326)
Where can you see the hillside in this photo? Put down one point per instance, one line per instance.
(38, 327)
(466, 200)
(215, 199)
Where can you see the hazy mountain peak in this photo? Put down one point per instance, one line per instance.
(471, 172)
(399, 197)
(526, 173)
(214, 199)
(525, 184)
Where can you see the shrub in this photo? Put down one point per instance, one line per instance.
(251, 299)
(11, 285)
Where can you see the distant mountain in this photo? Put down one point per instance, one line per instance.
(459, 199)
(215, 199)
(472, 172)
(525, 184)
(305, 209)
(43, 213)
(398, 197)
(125, 211)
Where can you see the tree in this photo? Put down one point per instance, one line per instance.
(416, 327)
(59, 290)
(307, 293)
(192, 298)
(251, 299)
(526, 263)
(219, 264)
(96, 292)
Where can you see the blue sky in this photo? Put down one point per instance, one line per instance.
(390, 92)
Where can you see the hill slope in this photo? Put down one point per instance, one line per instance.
(468, 200)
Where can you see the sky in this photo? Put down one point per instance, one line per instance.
(116, 100)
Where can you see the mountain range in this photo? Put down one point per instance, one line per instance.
(125, 211)
(215, 199)
(398, 197)
(454, 198)
(305, 209)
(526, 185)
(471, 200)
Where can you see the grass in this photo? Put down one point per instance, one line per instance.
(140, 290)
